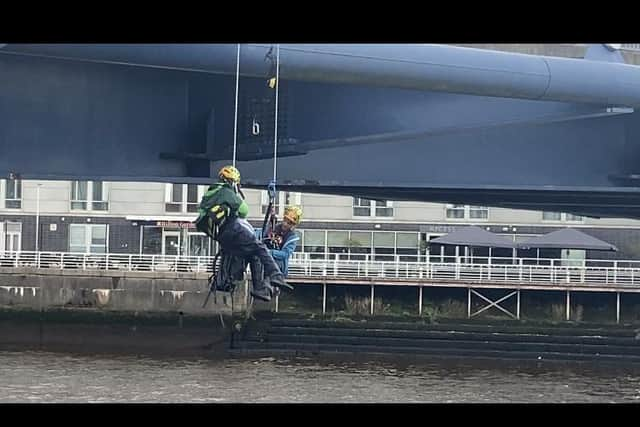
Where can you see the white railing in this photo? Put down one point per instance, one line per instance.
(126, 262)
(630, 46)
(476, 269)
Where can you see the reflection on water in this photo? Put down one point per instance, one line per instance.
(63, 377)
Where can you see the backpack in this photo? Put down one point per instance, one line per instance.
(212, 214)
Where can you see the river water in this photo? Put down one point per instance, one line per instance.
(36, 376)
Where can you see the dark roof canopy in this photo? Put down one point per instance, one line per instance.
(568, 238)
(473, 236)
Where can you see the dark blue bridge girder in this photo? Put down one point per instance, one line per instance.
(497, 130)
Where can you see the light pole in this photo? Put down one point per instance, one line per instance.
(37, 216)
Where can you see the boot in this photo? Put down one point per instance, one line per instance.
(263, 294)
(277, 280)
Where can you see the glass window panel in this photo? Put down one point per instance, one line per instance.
(11, 189)
(362, 238)
(407, 240)
(97, 249)
(100, 206)
(361, 211)
(384, 211)
(337, 238)
(14, 227)
(361, 207)
(99, 235)
(81, 190)
(478, 212)
(455, 211)
(97, 191)
(77, 235)
(551, 216)
(384, 239)
(192, 193)
(152, 240)
(176, 193)
(314, 238)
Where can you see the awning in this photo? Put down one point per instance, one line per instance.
(567, 238)
(473, 236)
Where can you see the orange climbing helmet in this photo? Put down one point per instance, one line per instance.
(293, 214)
(230, 172)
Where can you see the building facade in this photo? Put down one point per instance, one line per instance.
(156, 218)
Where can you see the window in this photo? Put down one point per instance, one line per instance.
(199, 245)
(384, 208)
(572, 217)
(561, 216)
(384, 243)
(478, 212)
(466, 212)
(98, 199)
(314, 243)
(183, 197)
(551, 216)
(407, 246)
(13, 237)
(455, 211)
(361, 207)
(359, 244)
(372, 208)
(89, 195)
(338, 242)
(283, 199)
(88, 238)
(13, 194)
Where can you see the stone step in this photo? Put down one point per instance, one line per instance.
(248, 347)
(457, 344)
(546, 329)
(453, 335)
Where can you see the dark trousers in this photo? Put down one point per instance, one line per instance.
(232, 269)
(238, 241)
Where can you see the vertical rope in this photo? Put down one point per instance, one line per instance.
(235, 120)
(275, 138)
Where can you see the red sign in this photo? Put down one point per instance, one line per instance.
(172, 224)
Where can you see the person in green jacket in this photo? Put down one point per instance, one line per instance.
(222, 207)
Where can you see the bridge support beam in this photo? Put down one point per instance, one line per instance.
(495, 304)
(420, 300)
(617, 307)
(568, 306)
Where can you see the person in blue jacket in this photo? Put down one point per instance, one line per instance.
(283, 240)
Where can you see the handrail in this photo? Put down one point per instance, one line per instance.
(478, 269)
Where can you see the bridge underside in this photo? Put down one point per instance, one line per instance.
(63, 119)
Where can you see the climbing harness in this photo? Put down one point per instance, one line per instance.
(270, 219)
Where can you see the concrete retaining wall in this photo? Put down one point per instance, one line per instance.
(114, 290)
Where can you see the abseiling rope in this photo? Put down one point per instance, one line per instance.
(275, 137)
(235, 120)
